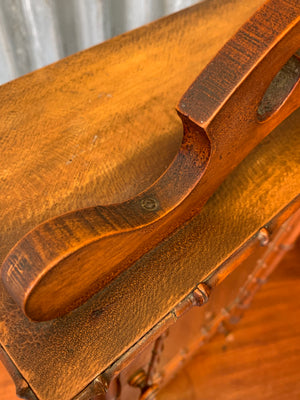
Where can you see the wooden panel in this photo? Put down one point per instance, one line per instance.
(60, 357)
(86, 138)
(249, 355)
(227, 303)
(7, 387)
(64, 261)
(260, 358)
(58, 126)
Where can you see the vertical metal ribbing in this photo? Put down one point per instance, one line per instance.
(43, 38)
(92, 21)
(171, 6)
(34, 33)
(15, 32)
(7, 64)
(141, 12)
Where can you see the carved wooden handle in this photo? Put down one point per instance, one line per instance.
(226, 112)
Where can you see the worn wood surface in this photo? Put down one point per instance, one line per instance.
(249, 355)
(261, 356)
(64, 119)
(74, 160)
(64, 261)
(59, 358)
(227, 303)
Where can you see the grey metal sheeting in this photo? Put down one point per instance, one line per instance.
(34, 33)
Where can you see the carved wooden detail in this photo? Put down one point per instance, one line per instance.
(174, 265)
(64, 261)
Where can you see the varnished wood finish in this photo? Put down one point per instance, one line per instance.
(249, 354)
(83, 344)
(260, 357)
(61, 357)
(226, 305)
(63, 262)
(7, 387)
(69, 131)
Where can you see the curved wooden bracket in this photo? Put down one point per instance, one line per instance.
(64, 261)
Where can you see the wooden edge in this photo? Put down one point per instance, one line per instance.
(23, 390)
(86, 249)
(290, 213)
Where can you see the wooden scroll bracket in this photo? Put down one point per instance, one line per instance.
(238, 99)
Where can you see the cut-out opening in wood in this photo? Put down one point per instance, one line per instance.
(280, 88)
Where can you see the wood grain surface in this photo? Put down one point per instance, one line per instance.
(75, 152)
(59, 358)
(261, 356)
(61, 263)
(59, 125)
(246, 364)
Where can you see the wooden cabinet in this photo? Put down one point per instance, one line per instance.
(98, 128)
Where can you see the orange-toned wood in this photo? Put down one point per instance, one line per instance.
(60, 358)
(84, 130)
(7, 387)
(249, 355)
(260, 358)
(226, 305)
(64, 261)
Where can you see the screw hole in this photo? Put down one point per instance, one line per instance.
(149, 204)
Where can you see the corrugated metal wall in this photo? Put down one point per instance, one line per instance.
(34, 33)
